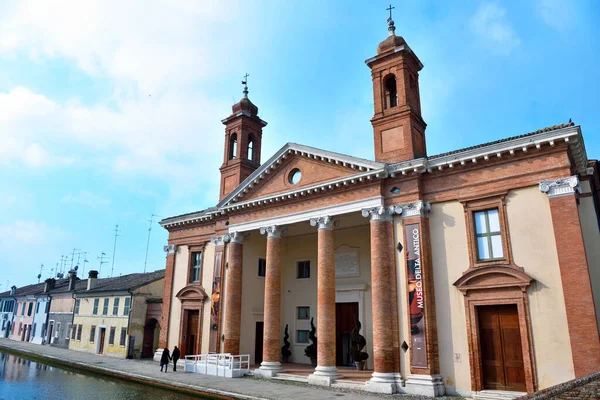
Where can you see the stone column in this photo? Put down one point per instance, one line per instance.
(382, 273)
(233, 294)
(163, 340)
(326, 370)
(272, 313)
(572, 260)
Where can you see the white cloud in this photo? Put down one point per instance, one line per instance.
(87, 199)
(490, 25)
(558, 14)
(27, 233)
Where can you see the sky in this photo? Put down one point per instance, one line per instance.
(110, 111)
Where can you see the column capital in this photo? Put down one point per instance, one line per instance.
(378, 213)
(324, 222)
(236, 237)
(414, 209)
(272, 231)
(170, 249)
(561, 186)
(219, 240)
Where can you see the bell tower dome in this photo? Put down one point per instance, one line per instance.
(243, 137)
(398, 128)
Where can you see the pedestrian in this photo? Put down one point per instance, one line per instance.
(175, 356)
(165, 360)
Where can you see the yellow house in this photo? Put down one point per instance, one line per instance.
(118, 316)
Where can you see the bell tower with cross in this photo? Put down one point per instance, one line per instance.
(398, 128)
(243, 137)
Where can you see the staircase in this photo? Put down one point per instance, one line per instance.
(496, 395)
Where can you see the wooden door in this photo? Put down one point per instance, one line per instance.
(345, 317)
(148, 341)
(102, 335)
(191, 337)
(501, 351)
(258, 344)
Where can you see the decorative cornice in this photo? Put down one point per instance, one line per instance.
(378, 213)
(238, 237)
(416, 209)
(170, 249)
(272, 231)
(561, 186)
(325, 222)
(219, 240)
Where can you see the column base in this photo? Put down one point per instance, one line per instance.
(323, 376)
(268, 369)
(382, 382)
(399, 383)
(158, 355)
(425, 385)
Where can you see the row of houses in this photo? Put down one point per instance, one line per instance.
(117, 316)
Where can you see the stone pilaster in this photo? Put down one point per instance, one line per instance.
(572, 260)
(272, 312)
(167, 295)
(326, 370)
(233, 294)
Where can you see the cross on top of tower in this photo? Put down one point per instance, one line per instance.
(390, 8)
(245, 83)
(391, 27)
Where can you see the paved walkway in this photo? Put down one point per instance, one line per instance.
(144, 371)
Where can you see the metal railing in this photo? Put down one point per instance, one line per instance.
(225, 365)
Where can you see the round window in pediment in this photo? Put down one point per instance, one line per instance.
(295, 176)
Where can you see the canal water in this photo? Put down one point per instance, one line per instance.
(22, 379)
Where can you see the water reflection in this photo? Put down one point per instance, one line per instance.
(25, 379)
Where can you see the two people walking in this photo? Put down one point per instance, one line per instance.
(167, 357)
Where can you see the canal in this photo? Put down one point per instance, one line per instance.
(21, 378)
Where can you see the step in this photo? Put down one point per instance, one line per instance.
(290, 377)
(496, 395)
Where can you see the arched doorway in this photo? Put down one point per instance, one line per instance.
(151, 335)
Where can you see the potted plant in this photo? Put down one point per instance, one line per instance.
(311, 350)
(285, 349)
(358, 344)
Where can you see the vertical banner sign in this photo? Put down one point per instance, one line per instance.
(416, 300)
(215, 309)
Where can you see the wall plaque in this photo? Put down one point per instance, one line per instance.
(346, 262)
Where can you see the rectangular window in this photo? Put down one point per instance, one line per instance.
(77, 303)
(302, 337)
(79, 327)
(96, 303)
(127, 306)
(43, 330)
(262, 267)
(116, 306)
(488, 235)
(47, 307)
(303, 270)
(196, 265)
(23, 309)
(111, 336)
(123, 337)
(37, 308)
(33, 331)
(73, 332)
(92, 333)
(105, 307)
(303, 312)
(57, 332)
(29, 309)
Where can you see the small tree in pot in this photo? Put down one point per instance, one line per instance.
(311, 350)
(285, 349)
(358, 344)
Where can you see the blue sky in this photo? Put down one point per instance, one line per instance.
(110, 113)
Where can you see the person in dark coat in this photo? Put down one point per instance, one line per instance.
(175, 356)
(165, 360)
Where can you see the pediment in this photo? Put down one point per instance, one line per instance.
(493, 276)
(191, 292)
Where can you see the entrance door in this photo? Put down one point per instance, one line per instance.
(101, 344)
(148, 340)
(192, 332)
(501, 352)
(346, 315)
(258, 344)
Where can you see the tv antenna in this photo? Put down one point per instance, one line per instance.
(84, 261)
(102, 261)
(40, 274)
(73, 258)
(114, 250)
(151, 220)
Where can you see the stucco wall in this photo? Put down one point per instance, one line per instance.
(138, 312)
(64, 303)
(179, 281)
(39, 320)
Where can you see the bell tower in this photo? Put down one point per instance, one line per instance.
(243, 137)
(398, 128)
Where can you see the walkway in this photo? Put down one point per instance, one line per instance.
(146, 372)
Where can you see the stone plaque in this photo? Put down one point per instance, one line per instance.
(346, 262)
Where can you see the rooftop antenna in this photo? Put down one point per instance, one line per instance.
(114, 250)
(84, 261)
(73, 258)
(101, 258)
(62, 259)
(40, 274)
(151, 220)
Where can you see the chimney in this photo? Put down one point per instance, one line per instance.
(13, 290)
(49, 284)
(72, 279)
(92, 279)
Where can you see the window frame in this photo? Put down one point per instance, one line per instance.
(79, 329)
(77, 305)
(92, 334)
(123, 337)
(264, 261)
(69, 329)
(297, 338)
(111, 335)
(487, 235)
(191, 250)
(116, 305)
(96, 306)
(298, 308)
(105, 306)
(303, 262)
(127, 306)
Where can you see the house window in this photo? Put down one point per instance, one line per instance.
(127, 307)
(196, 264)
(301, 336)
(116, 306)
(303, 312)
(303, 269)
(111, 337)
(23, 309)
(47, 307)
(34, 327)
(105, 307)
(79, 327)
(57, 331)
(77, 302)
(123, 337)
(74, 332)
(92, 333)
(69, 329)
(96, 303)
(29, 309)
(262, 267)
(43, 330)
(488, 235)
(37, 308)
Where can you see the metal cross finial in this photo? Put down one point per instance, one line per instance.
(391, 27)
(390, 8)
(245, 83)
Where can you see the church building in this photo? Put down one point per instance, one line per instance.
(473, 270)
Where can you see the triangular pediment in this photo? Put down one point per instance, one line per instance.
(316, 167)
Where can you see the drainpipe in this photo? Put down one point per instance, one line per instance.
(129, 323)
(73, 317)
